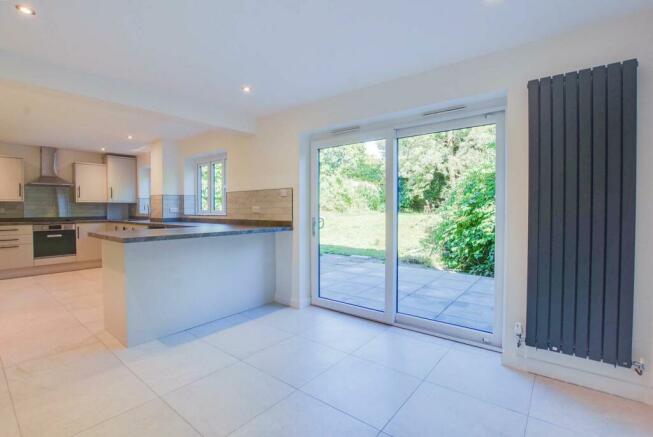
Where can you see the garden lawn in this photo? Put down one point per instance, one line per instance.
(363, 233)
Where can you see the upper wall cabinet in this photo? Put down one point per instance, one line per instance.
(11, 179)
(121, 179)
(90, 182)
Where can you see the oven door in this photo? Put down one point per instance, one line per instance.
(54, 243)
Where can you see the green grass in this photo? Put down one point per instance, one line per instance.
(363, 234)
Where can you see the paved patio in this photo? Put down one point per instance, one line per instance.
(454, 298)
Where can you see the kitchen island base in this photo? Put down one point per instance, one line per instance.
(157, 288)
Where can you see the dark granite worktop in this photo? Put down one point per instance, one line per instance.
(172, 230)
(184, 229)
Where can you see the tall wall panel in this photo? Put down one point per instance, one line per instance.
(581, 224)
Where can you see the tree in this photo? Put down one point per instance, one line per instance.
(464, 238)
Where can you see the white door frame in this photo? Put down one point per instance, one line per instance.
(390, 315)
(385, 316)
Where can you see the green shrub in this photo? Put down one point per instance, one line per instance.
(464, 239)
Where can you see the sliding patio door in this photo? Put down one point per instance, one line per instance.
(407, 226)
(447, 227)
(350, 224)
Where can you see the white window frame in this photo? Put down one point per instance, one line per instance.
(198, 188)
(391, 131)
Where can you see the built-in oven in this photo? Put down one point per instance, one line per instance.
(54, 240)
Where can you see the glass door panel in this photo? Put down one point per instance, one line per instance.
(446, 226)
(351, 224)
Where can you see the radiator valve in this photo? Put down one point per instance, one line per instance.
(518, 333)
(639, 367)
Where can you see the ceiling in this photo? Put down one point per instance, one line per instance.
(188, 59)
(33, 116)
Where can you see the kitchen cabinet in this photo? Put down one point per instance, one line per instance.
(90, 182)
(89, 248)
(16, 247)
(121, 179)
(11, 179)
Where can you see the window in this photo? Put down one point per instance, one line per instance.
(211, 187)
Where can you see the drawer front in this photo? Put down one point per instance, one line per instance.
(15, 230)
(13, 239)
(14, 256)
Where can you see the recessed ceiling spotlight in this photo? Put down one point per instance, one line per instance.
(103, 149)
(246, 89)
(129, 137)
(23, 9)
(492, 2)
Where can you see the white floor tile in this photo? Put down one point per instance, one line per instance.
(154, 419)
(8, 423)
(49, 336)
(289, 319)
(403, 353)
(344, 333)
(63, 381)
(480, 374)
(240, 336)
(69, 392)
(443, 342)
(539, 428)
(302, 416)
(365, 390)
(434, 410)
(224, 401)
(171, 362)
(296, 360)
(589, 412)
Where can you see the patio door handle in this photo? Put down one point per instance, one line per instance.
(321, 222)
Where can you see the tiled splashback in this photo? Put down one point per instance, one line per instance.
(273, 205)
(267, 205)
(46, 201)
(166, 206)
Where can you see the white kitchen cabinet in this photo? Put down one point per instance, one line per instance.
(121, 179)
(11, 179)
(89, 248)
(90, 182)
(16, 247)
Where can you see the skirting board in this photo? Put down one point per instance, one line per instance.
(593, 377)
(47, 269)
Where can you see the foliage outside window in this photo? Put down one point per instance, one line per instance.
(211, 187)
(446, 197)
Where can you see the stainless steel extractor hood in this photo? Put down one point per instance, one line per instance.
(49, 170)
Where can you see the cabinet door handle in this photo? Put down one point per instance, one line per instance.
(111, 192)
(20, 190)
(78, 233)
(54, 236)
(79, 192)
(9, 247)
(8, 230)
(8, 239)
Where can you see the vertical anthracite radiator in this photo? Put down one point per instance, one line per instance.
(581, 223)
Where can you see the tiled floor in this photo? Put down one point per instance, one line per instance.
(271, 371)
(454, 298)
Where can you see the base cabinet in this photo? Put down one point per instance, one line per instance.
(89, 248)
(16, 247)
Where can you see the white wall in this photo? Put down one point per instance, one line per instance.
(280, 158)
(238, 148)
(165, 176)
(143, 174)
